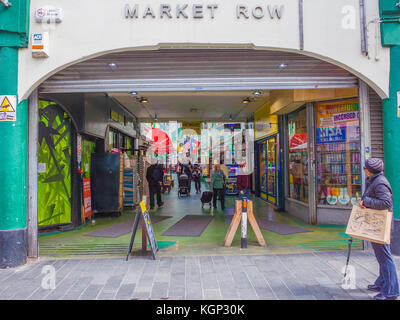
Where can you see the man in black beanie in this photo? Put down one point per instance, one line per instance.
(378, 195)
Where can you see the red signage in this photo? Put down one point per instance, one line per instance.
(298, 141)
(87, 198)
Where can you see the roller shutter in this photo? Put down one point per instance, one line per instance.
(376, 124)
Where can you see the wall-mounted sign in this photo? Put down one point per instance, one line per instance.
(40, 45)
(8, 108)
(191, 125)
(114, 115)
(48, 14)
(200, 11)
(79, 149)
(42, 167)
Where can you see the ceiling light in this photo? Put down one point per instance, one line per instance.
(133, 93)
(283, 65)
(155, 117)
(257, 93)
(246, 100)
(113, 65)
(230, 118)
(143, 100)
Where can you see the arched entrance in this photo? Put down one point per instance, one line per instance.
(213, 82)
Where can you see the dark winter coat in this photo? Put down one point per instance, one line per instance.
(378, 193)
(149, 174)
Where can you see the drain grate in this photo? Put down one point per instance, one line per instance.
(87, 249)
(332, 245)
(83, 249)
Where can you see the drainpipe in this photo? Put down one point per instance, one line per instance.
(363, 28)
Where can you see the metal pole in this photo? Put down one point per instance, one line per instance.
(244, 224)
(363, 27)
(301, 25)
(312, 186)
(33, 139)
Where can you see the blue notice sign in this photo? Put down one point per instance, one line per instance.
(331, 134)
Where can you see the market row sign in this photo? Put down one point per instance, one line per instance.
(200, 11)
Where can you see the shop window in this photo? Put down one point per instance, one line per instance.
(298, 155)
(338, 153)
(112, 140)
(128, 145)
(263, 166)
(271, 168)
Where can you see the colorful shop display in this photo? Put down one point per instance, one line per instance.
(298, 155)
(338, 153)
(231, 184)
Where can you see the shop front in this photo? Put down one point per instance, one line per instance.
(309, 152)
(324, 143)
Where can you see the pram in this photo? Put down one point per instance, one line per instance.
(183, 188)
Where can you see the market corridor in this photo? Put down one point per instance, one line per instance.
(79, 242)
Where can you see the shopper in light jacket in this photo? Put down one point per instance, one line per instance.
(378, 195)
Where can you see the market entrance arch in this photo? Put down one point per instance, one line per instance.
(210, 85)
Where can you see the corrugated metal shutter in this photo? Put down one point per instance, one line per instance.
(376, 125)
(198, 70)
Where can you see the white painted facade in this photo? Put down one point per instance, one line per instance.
(91, 28)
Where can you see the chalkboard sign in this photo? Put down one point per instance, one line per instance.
(142, 212)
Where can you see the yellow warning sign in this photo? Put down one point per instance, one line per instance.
(8, 106)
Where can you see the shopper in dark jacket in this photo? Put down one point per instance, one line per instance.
(154, 176)
(378, 195)
(196, 175)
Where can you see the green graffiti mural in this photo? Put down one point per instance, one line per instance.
(54, 157)
(88, 148)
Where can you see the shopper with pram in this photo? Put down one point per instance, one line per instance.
(183, 185)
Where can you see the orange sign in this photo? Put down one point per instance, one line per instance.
(333, 114)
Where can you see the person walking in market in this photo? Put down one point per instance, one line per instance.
(154, 177)
(378, 195)
(196, 174)
(217, 185)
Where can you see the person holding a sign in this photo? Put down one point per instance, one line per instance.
(378, 196)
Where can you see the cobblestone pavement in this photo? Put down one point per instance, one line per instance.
(291, 276)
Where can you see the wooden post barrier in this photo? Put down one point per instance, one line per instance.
(236, 221)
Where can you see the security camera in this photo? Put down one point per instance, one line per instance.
(5, 3)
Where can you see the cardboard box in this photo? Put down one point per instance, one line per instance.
(370, 225)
